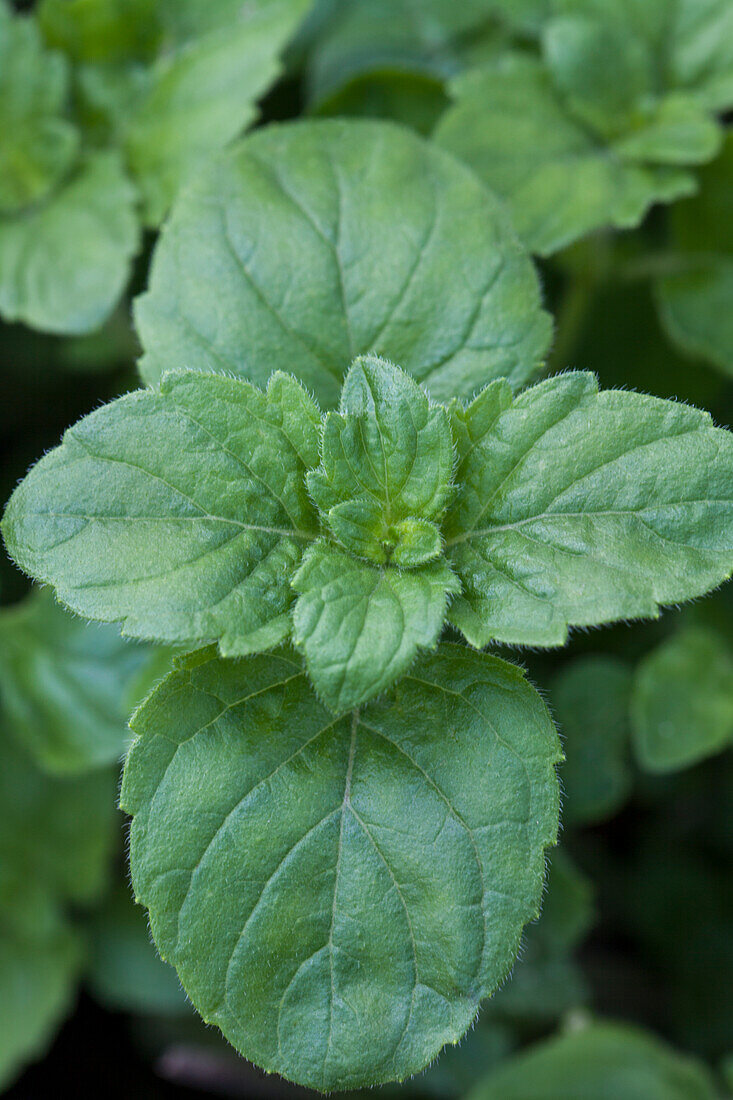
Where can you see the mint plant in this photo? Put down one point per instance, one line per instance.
(612, 117)
(383, 473)
(106, 109)
(207, 510)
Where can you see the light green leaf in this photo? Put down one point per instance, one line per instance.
(375, 242)
(361, 625)
(580, 508)
(561, 178)
(590, 701)
(64, 263)
(181, 512)
(38, 145)
(64, 685)
(694, 301)
(124, 971)
(688, 43)
(387, 459)
(202, 96)
(58, 832)
(682, 704)
(39, 961)
(339, 894)
(600, 1060)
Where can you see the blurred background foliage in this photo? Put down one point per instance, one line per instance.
(624, 987)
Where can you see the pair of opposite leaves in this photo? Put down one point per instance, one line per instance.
(386, 857)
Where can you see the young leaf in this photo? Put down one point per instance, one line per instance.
(590, 700)
(694, 302)
(38, 144)
(180, 512)
(64, 685)
(388, 444)
(682, 705)
(103, 32)
(360, 626)
(58, 832)
(65, 262)
(39, 963)
(561, 178)
(339, 894)
(601, 1059)
(579, 508)
(200, 97)
(375, 242)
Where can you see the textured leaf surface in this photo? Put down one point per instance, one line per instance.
(560, 178)
(361, 625)
(682, 705)
(64, 685)
(695, 301)
(181, 512)
(602, 1060)
(387, 460)
(312, 243)
(65, 262)
(339, 894)
(590, 701)
(58, 832)
(579, 507)
(39, 961)
(202, 96)
(38, 145)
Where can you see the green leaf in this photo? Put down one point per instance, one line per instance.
(360, 626)
(546, 982)
(602, 1059)
(561, 178)
(579, 508)
(181, 512)
(64, 263)
(58, 832)
(682, 705)
(39, 962)
(375, 242)
(102, 32)
(387, 462)
(124, 970)
(38, 145)
(339, 894)
(694, 300)
(590, 701)
(202, 96)
(64, 685)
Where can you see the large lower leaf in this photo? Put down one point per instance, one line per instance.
(64, 685)
(601, 1060)
(312, 243)
(64, 263)
(682, 704)
(39, 962)
(579, 507)
(339, 894)
(360, 625)
(181, 512)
